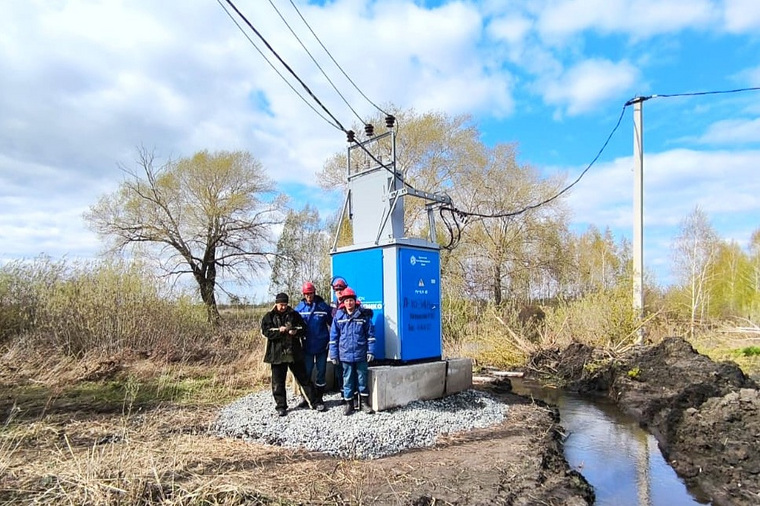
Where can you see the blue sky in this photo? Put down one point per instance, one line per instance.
(86, 81)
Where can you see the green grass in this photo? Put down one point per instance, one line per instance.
(749, 351)
(32, 401)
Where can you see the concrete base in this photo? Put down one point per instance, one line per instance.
(397, 385)
(391, 386)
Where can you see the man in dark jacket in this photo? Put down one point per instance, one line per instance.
(352, 343)
(284, 328)
(318, 317)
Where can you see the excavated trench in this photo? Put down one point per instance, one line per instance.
(617, 457)
(704, 415)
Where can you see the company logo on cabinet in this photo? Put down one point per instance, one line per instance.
(421, 260)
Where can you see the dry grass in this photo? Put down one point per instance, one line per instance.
(164, 455)
(160, 457)
(141, 437)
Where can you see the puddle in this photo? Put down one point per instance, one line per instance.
(618, 458)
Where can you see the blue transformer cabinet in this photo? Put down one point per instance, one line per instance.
(400, 282)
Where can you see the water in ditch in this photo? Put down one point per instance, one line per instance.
(617, 457)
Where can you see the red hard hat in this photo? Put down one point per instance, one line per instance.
(308, 287)
(339, 284)
(348, 293)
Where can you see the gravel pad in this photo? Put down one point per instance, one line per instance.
(360, 435)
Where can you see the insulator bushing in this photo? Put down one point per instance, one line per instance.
(369, 130)
(350, 136)
(390, 120)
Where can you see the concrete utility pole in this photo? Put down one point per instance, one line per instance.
(638, 215)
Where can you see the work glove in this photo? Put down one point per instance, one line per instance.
(370, 357)
(333, 360)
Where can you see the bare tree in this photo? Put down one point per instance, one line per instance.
(205, 215)
(694, 252)
(514, 251)
(303, 253)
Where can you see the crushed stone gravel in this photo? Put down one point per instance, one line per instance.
(360, 435)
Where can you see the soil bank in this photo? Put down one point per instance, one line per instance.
(704, 414)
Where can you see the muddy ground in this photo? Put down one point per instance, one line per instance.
(73, 450)
(705, 415)
(67, 448)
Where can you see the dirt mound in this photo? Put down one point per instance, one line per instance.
(705, 415)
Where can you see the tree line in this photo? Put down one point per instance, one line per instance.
(214, 216)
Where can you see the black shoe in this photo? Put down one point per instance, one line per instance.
(282, 411)
(365, 406)
(348, 409)
(320, 407)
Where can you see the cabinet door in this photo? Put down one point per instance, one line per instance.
(419, 304)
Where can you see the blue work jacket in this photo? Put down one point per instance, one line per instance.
(352, 336)
(318, 318)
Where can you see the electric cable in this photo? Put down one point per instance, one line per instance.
(314, 59)
(559, 193)
(269, 46)
(606, 142)
(273, 67)
(699, 93)
(454, 211)
(335, 62)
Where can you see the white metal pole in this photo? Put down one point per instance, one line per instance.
(638, 216)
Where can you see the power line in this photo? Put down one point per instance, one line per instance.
(349, 133)
(455, 212)
(273, 67)
(314, 60)
(604, 146)
(335, 62)
(461, 213)
(269, 46)
(695, 94)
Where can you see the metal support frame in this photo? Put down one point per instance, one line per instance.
(393, 192)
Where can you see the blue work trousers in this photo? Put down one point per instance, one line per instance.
(355, 378)
(320, 361)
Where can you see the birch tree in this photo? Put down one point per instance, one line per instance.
(302, 253)
(694, 252)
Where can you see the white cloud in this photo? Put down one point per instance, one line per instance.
(742, 16)
(511, 29)
(589, 85)
(732, 131)
(644, 18)
(721, 182)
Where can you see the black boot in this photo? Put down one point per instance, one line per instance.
(349, 407)
(319, 401)
(314, 400)
(365, 404)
